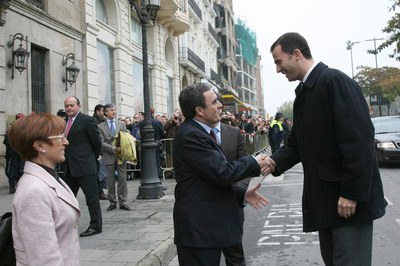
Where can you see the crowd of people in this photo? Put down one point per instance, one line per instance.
(165, 127)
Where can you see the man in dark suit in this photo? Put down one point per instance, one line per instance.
(206, 216)
(333, 137)
(98, 114)
(158, 135)
(81, 160)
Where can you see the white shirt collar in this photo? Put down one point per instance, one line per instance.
(309, 71)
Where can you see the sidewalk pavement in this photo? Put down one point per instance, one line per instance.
(142, 236)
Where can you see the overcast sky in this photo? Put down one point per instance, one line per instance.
(327, 26)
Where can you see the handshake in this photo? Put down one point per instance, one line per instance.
(266, 164)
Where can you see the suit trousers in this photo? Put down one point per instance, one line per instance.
(122, 188)
(194, 256)
(347, 245)
(88, 184)
(234, 255)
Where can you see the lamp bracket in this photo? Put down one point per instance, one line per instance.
(68, 56)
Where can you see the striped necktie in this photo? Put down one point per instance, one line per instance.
(112, 127)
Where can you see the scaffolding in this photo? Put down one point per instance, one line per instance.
(247, 42)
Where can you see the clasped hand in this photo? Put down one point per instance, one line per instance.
(267, 165)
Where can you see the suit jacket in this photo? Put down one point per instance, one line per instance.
(45, 220)
(84, 147)
(333, 137)
(107, 139)
(234, 147)
(206, 211)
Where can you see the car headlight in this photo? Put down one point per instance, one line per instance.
(385, 145)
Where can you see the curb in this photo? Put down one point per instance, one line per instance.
(161, 255)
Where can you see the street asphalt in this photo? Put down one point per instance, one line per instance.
(142, 236)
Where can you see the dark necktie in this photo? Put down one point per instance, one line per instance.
(212, 134)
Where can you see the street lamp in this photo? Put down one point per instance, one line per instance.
(350, 47)
(150, 184)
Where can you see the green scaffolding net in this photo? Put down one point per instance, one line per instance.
(247, 42)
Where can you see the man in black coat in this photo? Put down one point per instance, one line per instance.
(81, 160)
(333, 137)
(206, 216)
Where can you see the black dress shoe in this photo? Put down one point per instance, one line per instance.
(111, 207)
(103, 196)
(125, 207)
(90, 232)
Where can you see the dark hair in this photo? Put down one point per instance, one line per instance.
(191, 97)
(291, 41)
(62, 113)
(98, 107)
(108, 106)
(26, 130)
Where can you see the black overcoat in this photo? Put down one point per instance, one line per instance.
(333, 137)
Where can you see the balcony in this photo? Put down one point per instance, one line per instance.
(215, 77)
(192, 61)
(36, 3)
(213, 33)
(196, 11)
(174, 17)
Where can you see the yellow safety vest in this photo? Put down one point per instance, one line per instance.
(279, 123)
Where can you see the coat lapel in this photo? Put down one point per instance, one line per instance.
(62, 191)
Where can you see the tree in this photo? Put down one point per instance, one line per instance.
(286, 109)
(393, 29)
(383, 81)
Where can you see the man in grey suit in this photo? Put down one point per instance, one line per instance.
(81, 160)
(234, 147)
(116, 172)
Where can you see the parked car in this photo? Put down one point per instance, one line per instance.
(387, 138)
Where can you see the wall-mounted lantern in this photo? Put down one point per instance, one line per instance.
(71, 71)
(19, 56)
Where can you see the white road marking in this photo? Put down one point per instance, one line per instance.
(282, 185)
(398, 221)
(388, 201)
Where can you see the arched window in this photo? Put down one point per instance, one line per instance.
(136, 31)
(169, 52)
(101, 13)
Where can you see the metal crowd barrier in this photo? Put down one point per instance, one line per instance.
(168, 165)
(133, 168)
(255, 144)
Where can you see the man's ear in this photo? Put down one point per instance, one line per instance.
(298, 54)
(199, 111)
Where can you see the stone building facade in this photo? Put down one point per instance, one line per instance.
(105, 37)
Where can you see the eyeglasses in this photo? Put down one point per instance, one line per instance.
(62, 136)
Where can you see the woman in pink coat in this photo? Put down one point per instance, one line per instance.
(45, 211)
